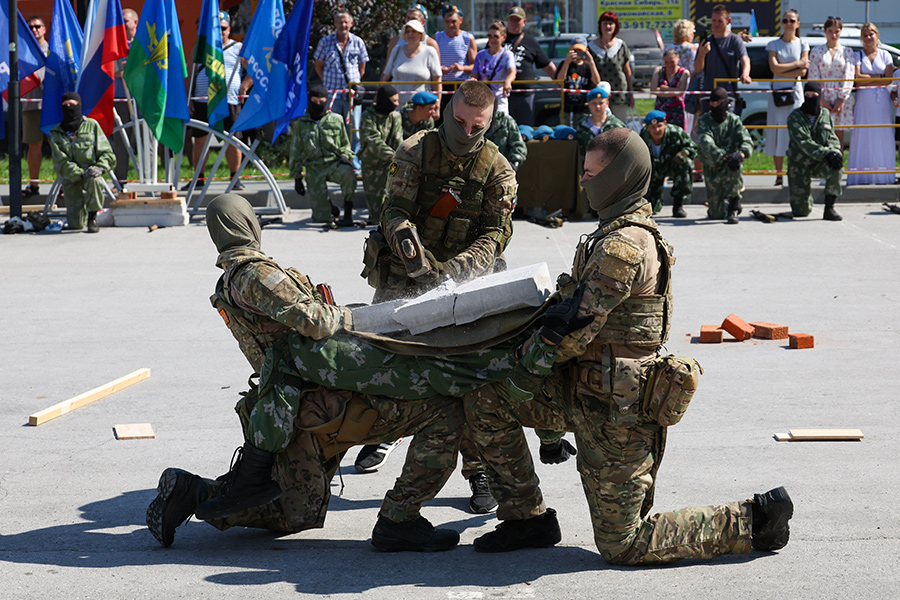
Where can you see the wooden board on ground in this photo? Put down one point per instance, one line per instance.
(820, 435)
(134, 431)
(26, 208)
(57, 410)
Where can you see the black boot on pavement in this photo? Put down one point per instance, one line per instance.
(771, 513)
(347, 221)
(537, 532)
(734, 209)
(92, 226)
(830, 213)
(178, 494)
(678, 208)
(250, 484)
(417, 535)
(481, 502)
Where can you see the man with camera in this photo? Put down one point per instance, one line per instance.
(721, 55)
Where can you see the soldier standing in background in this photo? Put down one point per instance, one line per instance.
(505, 134)
(380, 132)
(419, 114)
(671, 152)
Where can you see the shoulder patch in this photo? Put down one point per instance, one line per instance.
(273, 279)
(392, 170)
(618, 258)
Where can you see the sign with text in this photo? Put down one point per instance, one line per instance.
(644, 14)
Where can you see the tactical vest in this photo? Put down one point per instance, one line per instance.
(447, 236)
(639, 320)
(255, 333)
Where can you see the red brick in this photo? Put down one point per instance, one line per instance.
(710, 334)
(769, 331)
(801, 340)
(737, 327)
(169, 195)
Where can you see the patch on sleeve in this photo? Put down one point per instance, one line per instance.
(273, 279)
(619, 259)
(392, 170)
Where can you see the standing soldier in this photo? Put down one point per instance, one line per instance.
(380, 132)
(587, 370)
(724, 144)
(506, 135)
(320, 142)
(672, 152)
(419, 113)
(814, 151)
(81, 155)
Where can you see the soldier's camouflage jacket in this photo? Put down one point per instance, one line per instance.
(811, 139)
(408, 127)
(73, 154)
(315, 143)
(715, 140)
(379, 136)
(505, 133)
(585, 134)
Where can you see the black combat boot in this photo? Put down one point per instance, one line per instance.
(250, 484)
(771, 513)
(417, 535)
(537, 532)
(734, 209)
(347, 221)
(92, 226)
(678, 208)
(830, 213)
(179, 493)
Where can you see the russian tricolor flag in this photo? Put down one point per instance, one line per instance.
(104, 43)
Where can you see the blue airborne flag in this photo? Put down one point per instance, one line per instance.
(291, 48)
(66, 39)
(267, 101)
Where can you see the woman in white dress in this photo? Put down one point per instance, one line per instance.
(413, 61)
(872, 148)
(789, 60)
(835, 61)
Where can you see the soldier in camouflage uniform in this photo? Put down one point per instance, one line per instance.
(504, 132)
(320, 142)
(419, 113)
(724, 144)
(81, 154)
(380, 132)
(584, 370)
(296, 430)
(814, 151)
(601, 118)
(672, 151)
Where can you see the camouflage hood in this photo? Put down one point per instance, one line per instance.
(621, 186)
(232, 225)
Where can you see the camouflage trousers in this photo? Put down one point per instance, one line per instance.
(616, 463)
(374, 176)
(800, 174)
(82, 198)
(305, 475)
(721, 184)
(682, 182)
(317, 188)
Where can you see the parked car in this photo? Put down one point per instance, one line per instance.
(646, 46)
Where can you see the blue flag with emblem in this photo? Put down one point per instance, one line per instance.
(63, 62)
(270, 77)
(292, 48)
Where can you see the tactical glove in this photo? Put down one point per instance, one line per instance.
(835, 160)
(299, 187)
(682, 157)
(561, 319)
(431, 277)
(345, 161)
(92, 172)
(553, 454)
(734, 161)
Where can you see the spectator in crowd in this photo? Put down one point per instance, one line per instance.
(31, 115)
(341, 58)
(671, 155)
(81, 155)
(722, 56)
(380, 132)
(123, 109)
(872, 148)
(419, 114)
(415, 13)
(496, 64)
(814, 151)
(669, 82)
(724, 144)
(528, 54)
(319, 141)
(580, 73)
(238, 84)
(413, 61)
(833, 60)
(504, 132)
(612, 57)
(788, 59)
(599, 120)
(683, 38)
(458, 48)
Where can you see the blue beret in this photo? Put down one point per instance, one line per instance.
(597, 91)
(527, 131)
(654, 116)
(544, 132)
(564, 132)
(423, 98)
(451, 8)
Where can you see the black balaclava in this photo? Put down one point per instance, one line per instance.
(621, 186)
(454, 137)
(314, 110)
(719, 112)
(71, 115)
(811, 106)
(232, 224)
(383, 104)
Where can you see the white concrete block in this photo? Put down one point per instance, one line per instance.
(502, 292)
(377, 318)
(431, 310)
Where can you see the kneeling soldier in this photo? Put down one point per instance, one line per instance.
(671, 152)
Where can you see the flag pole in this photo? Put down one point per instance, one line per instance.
(15, 116)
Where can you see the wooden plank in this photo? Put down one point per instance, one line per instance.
(57, 410)
(26, 208)
(820, 435)
(134, 431)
